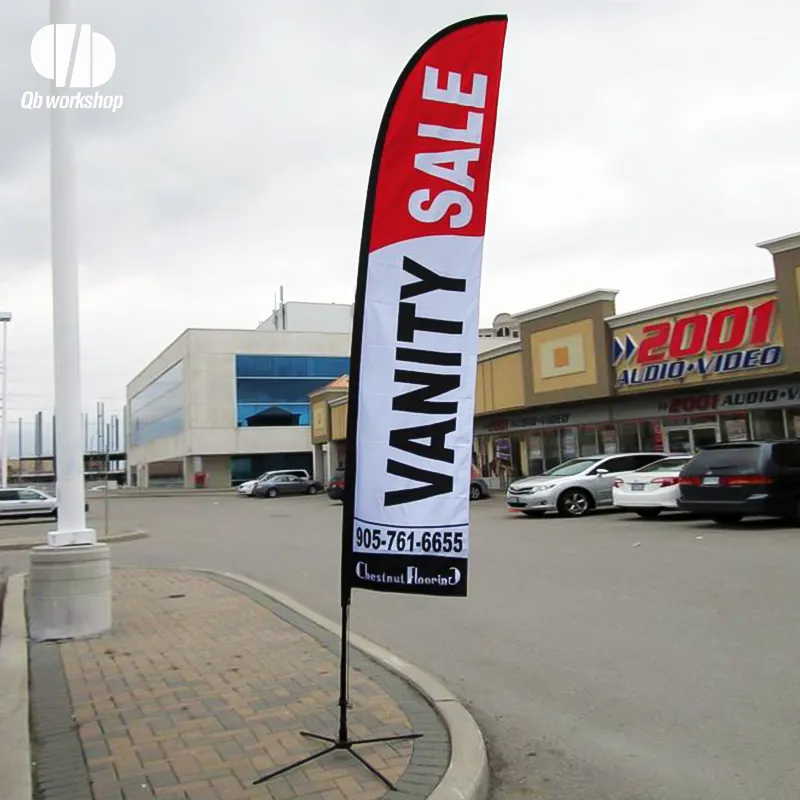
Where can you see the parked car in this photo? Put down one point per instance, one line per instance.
(726, 482)
(275, 485)
(25, 502)
(575, 487)
(247, 487)
(478, 488)
(336, 485)
(650, 489)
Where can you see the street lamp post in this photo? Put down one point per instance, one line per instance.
(5, 318)
(71, 524)
(69, 586)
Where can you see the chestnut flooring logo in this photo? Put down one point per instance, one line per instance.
(74, 57)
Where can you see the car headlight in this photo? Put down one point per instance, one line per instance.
(542, 487)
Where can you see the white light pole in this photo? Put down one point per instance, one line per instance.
(69, 588)
(5, 318)
(69, 456)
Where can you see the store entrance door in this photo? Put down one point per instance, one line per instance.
(690, 439)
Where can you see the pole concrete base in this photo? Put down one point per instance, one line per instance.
(70, 537)
(69, 592)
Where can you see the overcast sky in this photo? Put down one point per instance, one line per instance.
(642, 146)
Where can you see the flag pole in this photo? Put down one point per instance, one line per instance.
(342, 740)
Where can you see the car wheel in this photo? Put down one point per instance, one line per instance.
(312, 489)
(272, 493)
(648, 513)
(574, 503)
(533, 513)
(727, 519)
(475, 492)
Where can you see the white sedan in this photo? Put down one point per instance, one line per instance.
(650, 490)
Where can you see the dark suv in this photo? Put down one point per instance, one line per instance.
(743, 479)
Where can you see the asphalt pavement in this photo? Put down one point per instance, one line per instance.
(608, 658)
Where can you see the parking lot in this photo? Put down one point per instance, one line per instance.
(605, 657)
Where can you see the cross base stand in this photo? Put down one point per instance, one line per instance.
(343, 740)
(342, 743)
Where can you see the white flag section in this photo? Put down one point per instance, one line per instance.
(416, 402)
(415, 330)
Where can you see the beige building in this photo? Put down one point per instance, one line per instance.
(228, 404)
(576, 378)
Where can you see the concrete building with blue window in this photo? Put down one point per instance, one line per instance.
(232, 404)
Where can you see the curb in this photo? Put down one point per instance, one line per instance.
(15, 754)
(28, 544)
(467, 775)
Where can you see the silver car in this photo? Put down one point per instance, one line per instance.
(478, 489)
(575, 487)
(276, 485)
(246, 488)
(25, 502)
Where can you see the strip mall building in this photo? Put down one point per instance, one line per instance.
(576, 378)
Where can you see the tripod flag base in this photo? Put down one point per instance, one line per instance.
(342, 744)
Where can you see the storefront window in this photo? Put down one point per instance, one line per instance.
(552, 454)
(569, 444)
(734, 429)
(793, 420)
(652, 436)
(482, 444)
(587, 441)
(503, 453)
(768, 424)
(608, 440)
(519, 456)
(535, 454)
(628, 437)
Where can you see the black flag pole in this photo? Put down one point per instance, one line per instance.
(342, 740)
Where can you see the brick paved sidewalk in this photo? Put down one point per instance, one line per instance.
(203, 685)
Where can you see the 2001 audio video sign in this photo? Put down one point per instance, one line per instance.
(415, 333)
(727, 340)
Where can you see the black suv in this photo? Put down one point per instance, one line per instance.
(743, 479)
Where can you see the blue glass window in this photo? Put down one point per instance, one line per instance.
(283, 414)
(157, 410)
(274, 390)
(328, 367)
(279, 390)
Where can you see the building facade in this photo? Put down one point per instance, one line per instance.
(576, 378)
(329, 428)
(228, 404)
(309, 317)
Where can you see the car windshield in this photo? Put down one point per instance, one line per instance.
(665, 465)
(572, 467)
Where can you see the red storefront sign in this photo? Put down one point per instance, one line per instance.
(690, 404)
(722, 331)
